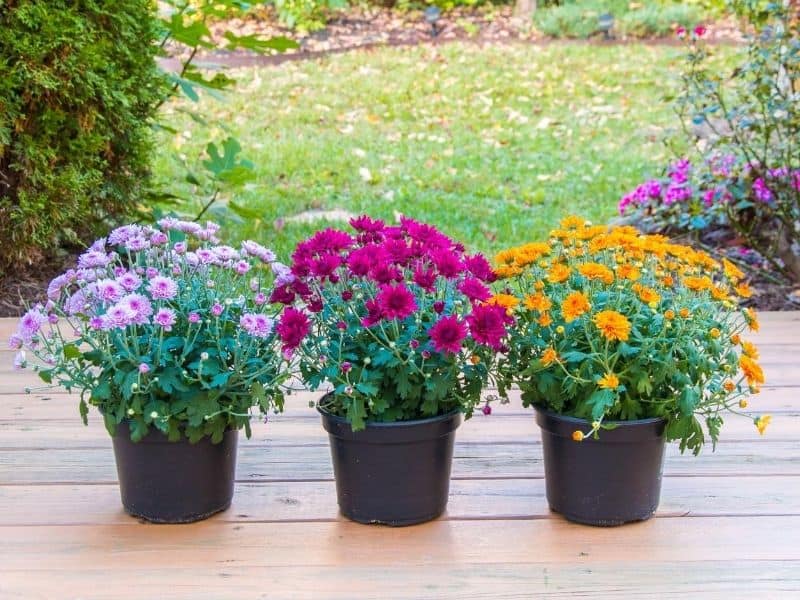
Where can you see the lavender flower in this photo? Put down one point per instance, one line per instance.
(166, 318)
(93, 259)
(118, 316)
(257, 325)
(141, 307)
(109, 290)
(761, 191)
(251, 248)
(283, 274)
(162, 288)
(130, 281)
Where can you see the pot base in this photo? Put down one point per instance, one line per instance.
(174, 482)
(395, 474)
(610, 481)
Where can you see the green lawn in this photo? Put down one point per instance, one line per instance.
(492, 144)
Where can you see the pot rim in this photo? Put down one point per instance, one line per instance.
(391, 424)
(578, 420)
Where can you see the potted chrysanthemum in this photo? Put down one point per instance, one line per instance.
(623, 341)
(403, 332)
(171, 336)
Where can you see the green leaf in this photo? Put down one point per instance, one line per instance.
(258, 45)
(83, 408)
(71, 352)
(599, 401)
(194, 34)
(46, 376)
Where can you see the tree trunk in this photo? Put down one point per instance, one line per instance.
(524, 9)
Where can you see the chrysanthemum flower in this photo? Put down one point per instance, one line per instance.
(447, 334)
(575, 305)
(613, 325)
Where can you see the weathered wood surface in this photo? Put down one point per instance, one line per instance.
(728, 525)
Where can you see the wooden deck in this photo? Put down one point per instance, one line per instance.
(728, 525)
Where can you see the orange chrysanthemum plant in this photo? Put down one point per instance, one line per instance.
(614, 325)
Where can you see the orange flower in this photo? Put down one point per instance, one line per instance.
(628, 272)
(545, 320)
(613, 325)
(507, 301)
(648, 295)
(558, 273)
(728, 385)
(714, 333)
(751, 369)
(668, 281)
(574, 305)
(577, 436)
(506, 271)
(609, 381)
(669, 314)
(744, 290)
(761, 424)
(538, 302)
(684, 312)
(719, 292)
(732, 272)
(749, 350)
(598, 272)
(698, 284)
(549, 356)
(750, 317)
(572, 222)
(735, 339)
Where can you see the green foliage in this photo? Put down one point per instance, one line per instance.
(184, 26)
(306, 15)
(751, 122)
(78, 88)
(615, 325)
(512, 135)
(168, 330)
(579, 19)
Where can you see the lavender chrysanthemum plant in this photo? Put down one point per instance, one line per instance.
(165, 327)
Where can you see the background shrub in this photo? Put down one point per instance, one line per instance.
(78, 88)
(579, 18)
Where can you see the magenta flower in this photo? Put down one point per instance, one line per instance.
(424, 278)
(217, 309)
(447, 334)
(193, 317)
(447, 263)
(292, 328)
(162, 288)
(166, 318)
(761, 191)
(144, 368)
(487, 325)
(395, 302)
(473, 289)
(479, 267)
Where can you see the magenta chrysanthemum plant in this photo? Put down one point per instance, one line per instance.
(400, 326)
(166, 327)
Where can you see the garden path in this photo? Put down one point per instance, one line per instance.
(728, 525)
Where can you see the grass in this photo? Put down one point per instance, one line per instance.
(494, 144)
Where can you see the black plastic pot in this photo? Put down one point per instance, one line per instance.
(174, 482)
(392, 473)
(613, 480)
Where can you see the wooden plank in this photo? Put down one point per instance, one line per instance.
(299, 501)
(41, 407)
(305, 429)
(471, 460)
(438, 544)
(710, 579)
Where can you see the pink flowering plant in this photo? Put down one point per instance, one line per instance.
(166, 328)
(400, 325)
